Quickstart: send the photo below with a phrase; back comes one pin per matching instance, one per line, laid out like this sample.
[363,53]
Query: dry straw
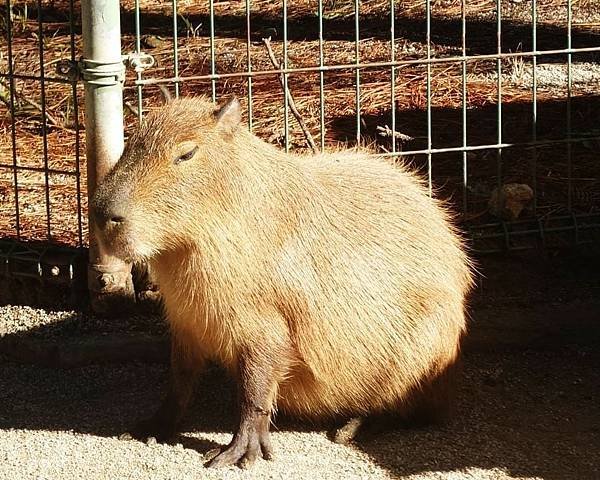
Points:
[546,168]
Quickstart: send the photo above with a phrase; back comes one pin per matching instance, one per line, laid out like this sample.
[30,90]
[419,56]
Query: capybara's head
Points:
[163,183]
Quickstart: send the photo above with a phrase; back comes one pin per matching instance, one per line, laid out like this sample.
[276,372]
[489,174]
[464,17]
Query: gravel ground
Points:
[532,414]
[522,414]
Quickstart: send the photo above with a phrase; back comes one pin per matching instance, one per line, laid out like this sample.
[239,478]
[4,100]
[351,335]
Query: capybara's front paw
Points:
[244,449]
[152,427]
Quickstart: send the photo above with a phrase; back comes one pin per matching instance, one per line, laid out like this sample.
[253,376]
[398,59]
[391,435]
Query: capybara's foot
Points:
[247,444]
[348,432]
[155,427]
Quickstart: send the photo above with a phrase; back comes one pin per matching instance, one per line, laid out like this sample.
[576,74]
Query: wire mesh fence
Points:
[495,101]
[476,94]
[42,188]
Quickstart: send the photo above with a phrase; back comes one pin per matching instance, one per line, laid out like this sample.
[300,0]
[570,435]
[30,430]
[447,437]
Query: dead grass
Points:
[547,167]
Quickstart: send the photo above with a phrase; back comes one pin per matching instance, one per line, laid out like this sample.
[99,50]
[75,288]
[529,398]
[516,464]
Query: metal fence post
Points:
[109,279]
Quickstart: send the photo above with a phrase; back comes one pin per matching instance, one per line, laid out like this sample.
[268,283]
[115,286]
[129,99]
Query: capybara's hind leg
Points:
[185,368]
[359,429]
[434,403]
[349,431]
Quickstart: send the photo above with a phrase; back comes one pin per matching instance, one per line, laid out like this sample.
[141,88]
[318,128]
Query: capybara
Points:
[329,285]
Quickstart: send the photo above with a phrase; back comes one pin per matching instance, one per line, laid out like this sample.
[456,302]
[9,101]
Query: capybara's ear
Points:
[229,115]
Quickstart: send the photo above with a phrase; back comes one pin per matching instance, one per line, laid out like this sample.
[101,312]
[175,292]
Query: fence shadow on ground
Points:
[530,414]
[481,33]
[546,168]
[482,122]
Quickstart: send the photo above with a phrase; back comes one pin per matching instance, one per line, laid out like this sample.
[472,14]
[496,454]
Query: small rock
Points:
[493,377]
[509,201]
[269,32]
[153,41]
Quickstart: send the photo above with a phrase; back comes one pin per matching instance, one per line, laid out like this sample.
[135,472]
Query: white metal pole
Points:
[102,69]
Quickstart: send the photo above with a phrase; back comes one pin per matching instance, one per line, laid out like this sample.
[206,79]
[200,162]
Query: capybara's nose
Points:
[116,219]
[108,216]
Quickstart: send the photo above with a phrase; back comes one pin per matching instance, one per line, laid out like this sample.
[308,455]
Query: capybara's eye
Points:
[186,156]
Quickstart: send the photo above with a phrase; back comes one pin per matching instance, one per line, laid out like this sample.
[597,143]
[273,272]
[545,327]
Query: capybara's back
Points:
[329,284]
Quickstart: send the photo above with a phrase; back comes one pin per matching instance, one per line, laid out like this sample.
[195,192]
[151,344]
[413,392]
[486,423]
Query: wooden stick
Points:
[290,98]
[133,109]
[387,132]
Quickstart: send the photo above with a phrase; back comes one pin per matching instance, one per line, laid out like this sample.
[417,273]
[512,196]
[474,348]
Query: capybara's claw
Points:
[244,450]
[229,456]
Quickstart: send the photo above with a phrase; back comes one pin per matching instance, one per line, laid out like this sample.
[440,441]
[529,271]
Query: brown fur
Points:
[334,279]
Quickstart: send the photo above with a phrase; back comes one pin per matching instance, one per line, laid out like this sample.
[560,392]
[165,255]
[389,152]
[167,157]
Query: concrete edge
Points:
[81,351]
[73,353]
[491,330]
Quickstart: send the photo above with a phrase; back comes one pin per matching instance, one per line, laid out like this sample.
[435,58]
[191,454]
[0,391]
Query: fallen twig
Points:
[129,106]
[290,98]
[387,132]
